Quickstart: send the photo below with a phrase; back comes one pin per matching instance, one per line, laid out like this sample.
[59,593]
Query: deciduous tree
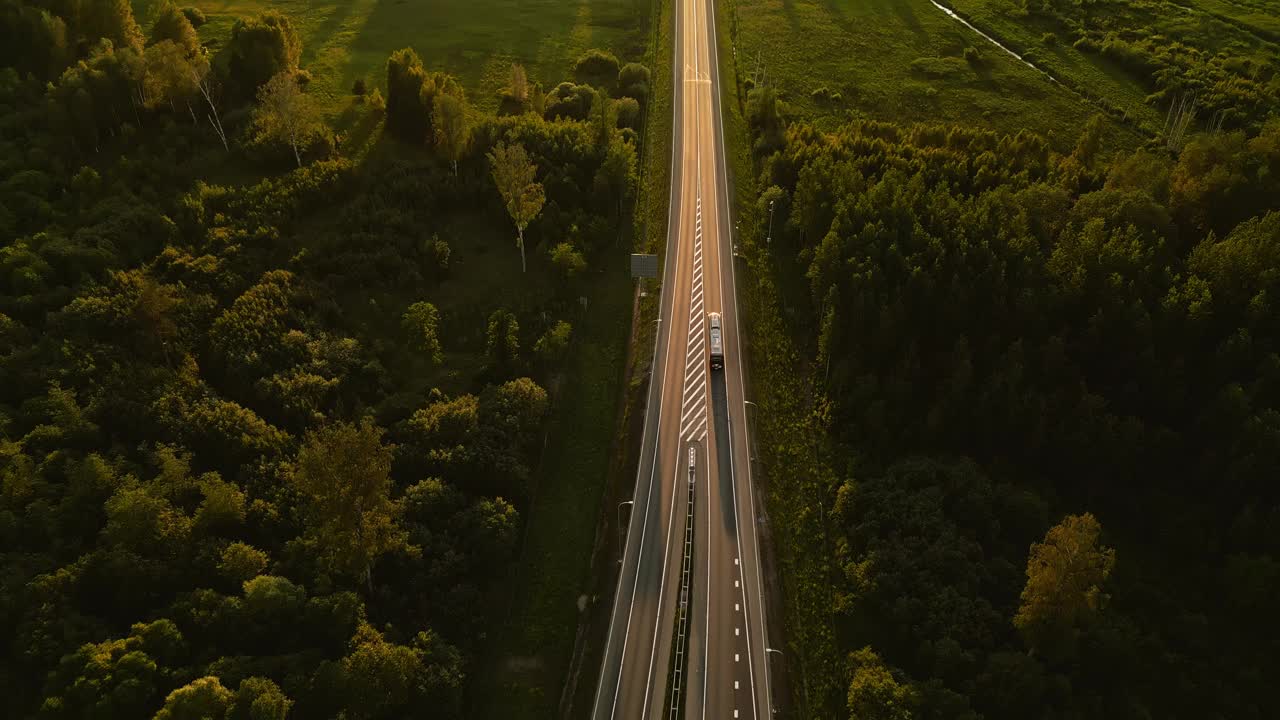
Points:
[1065,577]
[171,23]
[502,339]
[449,116]
[201,699]
[421,322]
[285,114]
[515,176]
[343,474]
[260,49]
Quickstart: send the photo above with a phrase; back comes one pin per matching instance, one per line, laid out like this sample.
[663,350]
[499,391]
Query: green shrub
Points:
[628,112]
[597,68]
[634,81]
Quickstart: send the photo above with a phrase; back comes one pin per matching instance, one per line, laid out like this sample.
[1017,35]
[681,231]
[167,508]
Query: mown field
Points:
[474,40]
[899,61]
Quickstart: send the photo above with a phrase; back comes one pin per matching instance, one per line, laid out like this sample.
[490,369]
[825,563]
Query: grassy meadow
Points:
[1245,30]
[898,61]
[474,40]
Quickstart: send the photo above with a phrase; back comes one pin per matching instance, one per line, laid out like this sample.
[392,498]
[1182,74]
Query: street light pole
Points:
[769,685]
[620,531]
[769,239]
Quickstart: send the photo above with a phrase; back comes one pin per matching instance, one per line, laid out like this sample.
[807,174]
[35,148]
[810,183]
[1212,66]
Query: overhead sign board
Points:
[644,266]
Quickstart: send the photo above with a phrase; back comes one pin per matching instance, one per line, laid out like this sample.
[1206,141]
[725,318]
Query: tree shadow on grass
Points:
[318,38]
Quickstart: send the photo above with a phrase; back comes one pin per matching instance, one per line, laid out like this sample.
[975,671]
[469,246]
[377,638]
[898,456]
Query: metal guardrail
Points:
[686,570]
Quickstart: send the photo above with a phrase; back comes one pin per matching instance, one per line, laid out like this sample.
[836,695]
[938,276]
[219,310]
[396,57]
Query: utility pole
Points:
[767,651]
[769,238]
[621,530]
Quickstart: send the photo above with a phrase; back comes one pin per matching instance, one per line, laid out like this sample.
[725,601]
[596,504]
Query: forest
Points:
[266,438]
[1051,384]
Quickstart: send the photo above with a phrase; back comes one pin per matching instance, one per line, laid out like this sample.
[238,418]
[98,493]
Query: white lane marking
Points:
[662,586]
[698,423]
[693,428]
[737,326]
[688,418]
[737,607]
[735,561]
[735,684]
[693,368]
[736,657]
[644,525]
[693,387]
[737,632]
[697,349]
[701,425]
[736,583]
[688,399]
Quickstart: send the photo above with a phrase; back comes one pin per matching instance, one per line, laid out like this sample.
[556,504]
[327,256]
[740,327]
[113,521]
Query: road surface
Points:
[689,405]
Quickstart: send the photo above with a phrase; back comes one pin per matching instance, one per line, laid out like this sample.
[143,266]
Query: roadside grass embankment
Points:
[649,235]
[792,474]
[545,662]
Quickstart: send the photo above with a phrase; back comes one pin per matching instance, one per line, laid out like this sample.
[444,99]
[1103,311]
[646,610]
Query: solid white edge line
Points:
[667,552]
[724,165]
[595,706]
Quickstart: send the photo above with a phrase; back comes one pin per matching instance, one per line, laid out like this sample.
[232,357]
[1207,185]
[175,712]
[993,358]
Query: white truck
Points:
[716,337]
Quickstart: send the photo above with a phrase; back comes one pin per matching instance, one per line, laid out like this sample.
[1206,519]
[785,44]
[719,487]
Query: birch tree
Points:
[203,80]
[285,114]
[452,131]
[515,175]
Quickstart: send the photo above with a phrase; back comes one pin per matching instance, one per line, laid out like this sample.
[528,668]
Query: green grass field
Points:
[1024,34]
[1237,28]
[899,61]
[475,40]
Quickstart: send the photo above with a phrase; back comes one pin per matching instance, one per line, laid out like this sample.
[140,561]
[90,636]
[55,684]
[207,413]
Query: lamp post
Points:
[769,685]
[769,238]
[620,531]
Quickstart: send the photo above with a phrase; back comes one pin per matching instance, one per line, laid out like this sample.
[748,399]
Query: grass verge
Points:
[529,660]
[792,472]
[544,664]
[650,218]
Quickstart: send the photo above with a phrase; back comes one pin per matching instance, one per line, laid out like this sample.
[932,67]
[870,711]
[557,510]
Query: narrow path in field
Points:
[952,14]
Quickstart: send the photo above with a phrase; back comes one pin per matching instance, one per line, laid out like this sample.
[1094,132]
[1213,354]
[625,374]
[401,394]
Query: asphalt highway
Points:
[691,406]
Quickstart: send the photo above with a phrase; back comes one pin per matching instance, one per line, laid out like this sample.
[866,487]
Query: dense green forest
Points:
[1051,383]
[266,435]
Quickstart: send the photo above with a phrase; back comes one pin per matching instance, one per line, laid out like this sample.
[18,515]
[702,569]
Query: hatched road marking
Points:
[693,403]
